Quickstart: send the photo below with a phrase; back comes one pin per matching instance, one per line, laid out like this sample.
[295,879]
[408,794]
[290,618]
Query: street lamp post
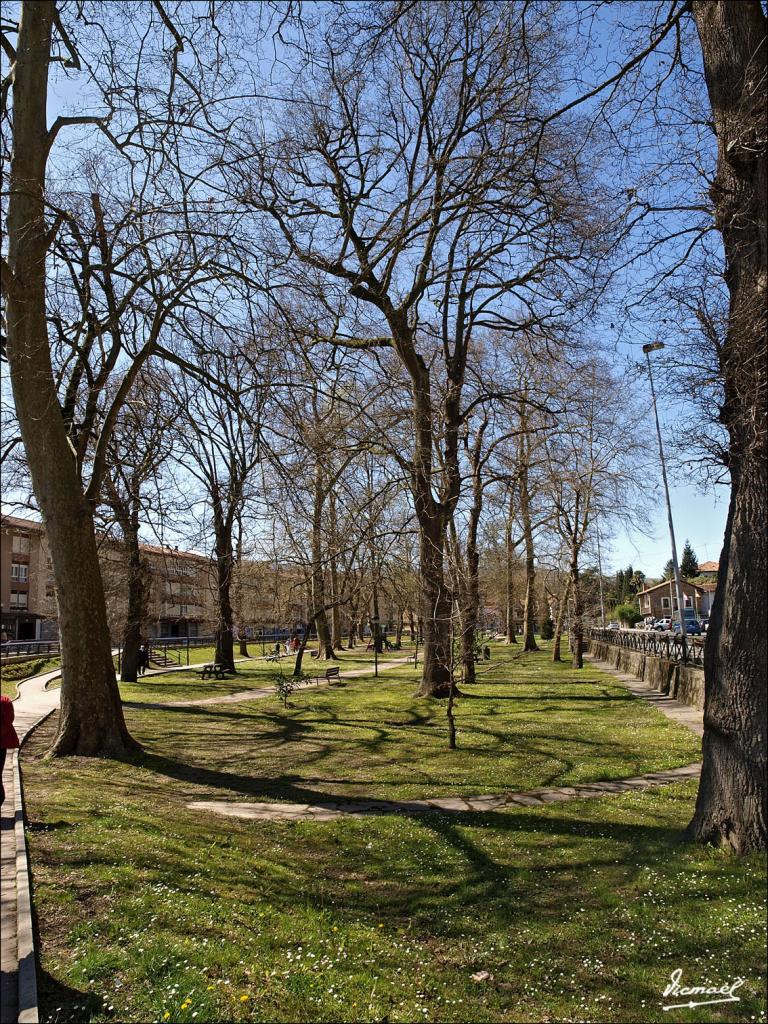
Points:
[600,577]
[647,349]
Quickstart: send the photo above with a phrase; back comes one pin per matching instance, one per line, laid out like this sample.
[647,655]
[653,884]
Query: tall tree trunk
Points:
[731,802]
[225,560]
[399,629]
[509,585]
[529,612]
[91,718]
[562,604]
[337,639]
[137,599]
[375,620]
[319,615]
[435,612]
[577,625]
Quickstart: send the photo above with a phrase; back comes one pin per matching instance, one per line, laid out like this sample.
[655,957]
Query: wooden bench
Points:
[331,676]
[214,670]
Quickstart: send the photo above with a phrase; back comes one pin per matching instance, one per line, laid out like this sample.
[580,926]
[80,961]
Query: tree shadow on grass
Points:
[59,1003]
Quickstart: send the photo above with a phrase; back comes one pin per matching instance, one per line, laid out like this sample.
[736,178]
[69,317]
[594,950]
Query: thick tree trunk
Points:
[399,629]
[731,803]
[529,612]
[577,625]
[435,613]
[225,560]
[91,719]
[562,604]
[337,639]
[324,643]
[509,588]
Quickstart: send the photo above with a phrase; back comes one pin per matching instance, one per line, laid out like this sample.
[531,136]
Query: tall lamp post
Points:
[647,349]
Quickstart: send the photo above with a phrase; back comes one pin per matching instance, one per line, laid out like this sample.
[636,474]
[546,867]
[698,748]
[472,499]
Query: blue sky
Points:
[697,517]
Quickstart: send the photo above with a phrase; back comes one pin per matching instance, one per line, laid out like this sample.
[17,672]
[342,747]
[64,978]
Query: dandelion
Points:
[244,999]
[166,1015]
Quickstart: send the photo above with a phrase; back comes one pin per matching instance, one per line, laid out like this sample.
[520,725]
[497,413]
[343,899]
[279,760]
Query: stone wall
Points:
[683,682]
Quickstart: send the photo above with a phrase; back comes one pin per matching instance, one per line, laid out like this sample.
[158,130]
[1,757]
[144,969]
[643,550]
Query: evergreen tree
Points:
[669,571]
[689,565]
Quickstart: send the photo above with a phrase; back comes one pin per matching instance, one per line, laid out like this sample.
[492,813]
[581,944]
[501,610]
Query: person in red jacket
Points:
[8,736]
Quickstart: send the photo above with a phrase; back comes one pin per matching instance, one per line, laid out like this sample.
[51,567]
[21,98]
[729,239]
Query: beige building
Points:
[661,601]
[27,602]
[179,589]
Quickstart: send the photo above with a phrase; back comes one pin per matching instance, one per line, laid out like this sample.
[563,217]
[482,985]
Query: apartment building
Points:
[27,602]
[179,588]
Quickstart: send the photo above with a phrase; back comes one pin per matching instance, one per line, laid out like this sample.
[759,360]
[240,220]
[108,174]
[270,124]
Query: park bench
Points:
[214,670]
[331,676]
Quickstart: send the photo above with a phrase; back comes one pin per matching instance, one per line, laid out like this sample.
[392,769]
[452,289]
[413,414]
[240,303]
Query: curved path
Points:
[329,810]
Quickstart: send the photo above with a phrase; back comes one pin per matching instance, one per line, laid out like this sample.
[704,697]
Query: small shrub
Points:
[547,629]
[627,613]
[284,687]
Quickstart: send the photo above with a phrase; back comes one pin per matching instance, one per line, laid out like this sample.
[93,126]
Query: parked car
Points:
[704,622]
[613,625]
[663,624]
[692,627]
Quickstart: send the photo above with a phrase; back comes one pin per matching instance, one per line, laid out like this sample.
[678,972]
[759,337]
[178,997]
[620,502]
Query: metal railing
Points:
[31,648]
[673,647]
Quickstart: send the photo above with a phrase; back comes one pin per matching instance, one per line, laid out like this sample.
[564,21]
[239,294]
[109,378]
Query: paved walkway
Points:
[684,714]
[326,810]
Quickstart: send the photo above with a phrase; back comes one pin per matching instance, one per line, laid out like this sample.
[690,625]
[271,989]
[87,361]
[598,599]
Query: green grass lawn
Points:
[578,911]
[18,672]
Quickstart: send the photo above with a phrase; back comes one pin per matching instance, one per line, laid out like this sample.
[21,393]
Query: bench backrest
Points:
[332,673]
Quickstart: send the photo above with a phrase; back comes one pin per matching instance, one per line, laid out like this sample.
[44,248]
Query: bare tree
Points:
[218,433]
[426,189]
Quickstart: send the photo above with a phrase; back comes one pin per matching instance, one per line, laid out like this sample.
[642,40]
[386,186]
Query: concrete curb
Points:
[25,939]
[26,977]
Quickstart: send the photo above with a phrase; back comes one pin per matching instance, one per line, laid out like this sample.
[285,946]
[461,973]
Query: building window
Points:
[18,599]
[687,601]
[665,602]
[20,544]
[19,571]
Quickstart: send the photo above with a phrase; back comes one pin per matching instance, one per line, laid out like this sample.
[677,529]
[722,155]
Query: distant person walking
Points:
[143,659]
[9,738]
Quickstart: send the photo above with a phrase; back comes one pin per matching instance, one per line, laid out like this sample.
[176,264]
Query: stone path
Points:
[329,810]
[326,810]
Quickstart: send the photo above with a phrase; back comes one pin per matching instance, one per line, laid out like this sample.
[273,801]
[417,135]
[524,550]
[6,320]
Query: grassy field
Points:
[16,673]
[579,911]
